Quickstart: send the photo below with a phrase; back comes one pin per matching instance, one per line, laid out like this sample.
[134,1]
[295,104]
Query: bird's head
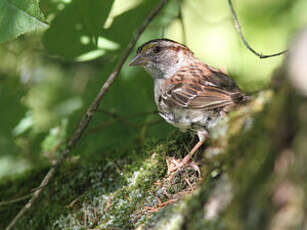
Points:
[161,58]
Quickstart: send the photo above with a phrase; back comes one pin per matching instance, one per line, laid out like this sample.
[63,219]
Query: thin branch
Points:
[124,120]
[141,114]
[117,117]
[101,125]
[238,28]
[21,198]
[127,120]
[89,114]
[2,203]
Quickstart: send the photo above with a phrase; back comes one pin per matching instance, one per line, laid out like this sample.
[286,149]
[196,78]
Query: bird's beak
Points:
[138,60]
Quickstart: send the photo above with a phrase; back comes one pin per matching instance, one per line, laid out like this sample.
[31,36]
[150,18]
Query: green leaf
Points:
[76,29]
[18,17]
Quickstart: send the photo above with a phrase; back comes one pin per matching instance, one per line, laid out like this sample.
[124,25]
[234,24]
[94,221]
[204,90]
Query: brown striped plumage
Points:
[188,93]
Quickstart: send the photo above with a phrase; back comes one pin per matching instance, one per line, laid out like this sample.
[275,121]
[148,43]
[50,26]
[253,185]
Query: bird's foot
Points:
[175,165]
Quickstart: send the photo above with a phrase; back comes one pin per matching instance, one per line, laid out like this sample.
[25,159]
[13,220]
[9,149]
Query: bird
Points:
[188,93]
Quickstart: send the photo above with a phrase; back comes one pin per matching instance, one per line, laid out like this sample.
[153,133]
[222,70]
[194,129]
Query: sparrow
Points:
[188,93]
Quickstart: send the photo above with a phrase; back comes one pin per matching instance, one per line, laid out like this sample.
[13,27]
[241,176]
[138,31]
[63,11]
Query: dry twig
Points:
[89,114]
[2,203]
[238,28]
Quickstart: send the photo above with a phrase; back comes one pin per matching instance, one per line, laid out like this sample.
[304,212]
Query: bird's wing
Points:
[201,87]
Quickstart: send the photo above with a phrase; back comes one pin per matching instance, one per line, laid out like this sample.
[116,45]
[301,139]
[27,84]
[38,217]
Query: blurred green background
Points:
[51,73]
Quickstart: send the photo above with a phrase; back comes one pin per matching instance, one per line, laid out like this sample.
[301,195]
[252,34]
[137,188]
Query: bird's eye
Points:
[156,49]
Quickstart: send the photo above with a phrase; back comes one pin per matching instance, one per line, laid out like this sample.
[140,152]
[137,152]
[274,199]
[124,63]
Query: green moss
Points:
[112,192]
[126,191]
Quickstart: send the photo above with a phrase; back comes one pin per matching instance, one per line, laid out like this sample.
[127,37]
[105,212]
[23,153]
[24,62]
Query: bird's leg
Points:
[174,165]
[202,138]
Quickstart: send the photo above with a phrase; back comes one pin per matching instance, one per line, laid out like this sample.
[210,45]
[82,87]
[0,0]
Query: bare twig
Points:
[118,117]
[71,204]
[238,28]
[132,115]
[89,114]
[85,218]
[101,125]
[2,203]
[21,198]
[125,120]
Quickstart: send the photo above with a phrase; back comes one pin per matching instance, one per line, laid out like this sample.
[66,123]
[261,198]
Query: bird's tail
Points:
[240,98]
